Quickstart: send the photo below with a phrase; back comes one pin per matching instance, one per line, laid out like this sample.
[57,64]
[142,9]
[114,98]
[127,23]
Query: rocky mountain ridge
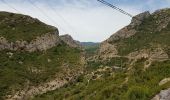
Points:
[110,46]
[41,42]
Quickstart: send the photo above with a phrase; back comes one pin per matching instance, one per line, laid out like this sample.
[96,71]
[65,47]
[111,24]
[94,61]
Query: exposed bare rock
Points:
[108,47]
[163,95]
[139,54]
[162,18]
[107,50]
[157,54]
[41,43]
[123,33]
[129,30]
[137,20]
[70,41]
[164,81]
[44,42]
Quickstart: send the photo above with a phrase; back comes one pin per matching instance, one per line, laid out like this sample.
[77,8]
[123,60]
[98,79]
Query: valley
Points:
[37,63]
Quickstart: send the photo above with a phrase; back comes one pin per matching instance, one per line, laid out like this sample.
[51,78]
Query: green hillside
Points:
[36,67]
[148,35]
[117,77]
[19,69]
[21,27]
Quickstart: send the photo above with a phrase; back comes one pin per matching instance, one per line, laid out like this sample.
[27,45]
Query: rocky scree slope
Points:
[33,58]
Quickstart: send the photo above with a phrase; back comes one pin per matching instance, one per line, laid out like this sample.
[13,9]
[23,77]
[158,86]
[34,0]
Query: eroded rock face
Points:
[158,54]
[41,43]
[163,95]
[137,20]
[107,50]
[70,41]
[123,33]
[44,42]
[129,30]
[108,46]
[162,18]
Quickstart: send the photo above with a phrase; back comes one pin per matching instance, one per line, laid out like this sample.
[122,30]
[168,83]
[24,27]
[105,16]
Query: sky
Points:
[84,20]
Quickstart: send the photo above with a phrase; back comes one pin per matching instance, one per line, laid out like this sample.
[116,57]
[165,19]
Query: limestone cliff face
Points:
[40,43]
[70,41]
[24,33]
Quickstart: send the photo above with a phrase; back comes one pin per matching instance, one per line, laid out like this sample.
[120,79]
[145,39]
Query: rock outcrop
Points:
[164,81]
[163,95]
[129,30]
[162,18]
[24,36]
[107,50]
[126,32]
[137,20]
[41,43]
[70,41]
[158,54]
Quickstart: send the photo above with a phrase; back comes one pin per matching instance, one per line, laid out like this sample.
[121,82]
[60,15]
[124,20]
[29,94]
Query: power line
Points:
[10,6]
[68,24]
[45,14]
[116,8]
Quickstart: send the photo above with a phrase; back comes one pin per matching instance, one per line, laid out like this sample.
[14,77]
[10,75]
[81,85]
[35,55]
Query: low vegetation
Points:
[141,85]
[19,68]
[147,36]
[20,27]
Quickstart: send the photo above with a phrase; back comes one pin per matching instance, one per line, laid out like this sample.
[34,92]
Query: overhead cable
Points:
[116,8]
[53,21]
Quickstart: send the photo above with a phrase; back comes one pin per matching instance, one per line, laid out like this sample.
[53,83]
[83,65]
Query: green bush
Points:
[137,93]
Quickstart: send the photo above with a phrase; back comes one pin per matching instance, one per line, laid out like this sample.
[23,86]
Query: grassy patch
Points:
[20,27]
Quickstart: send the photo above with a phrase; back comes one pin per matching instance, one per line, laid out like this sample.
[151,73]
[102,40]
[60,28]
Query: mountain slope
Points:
[34,59]
[133,64]
[21,27]
[70,41]
[150,33]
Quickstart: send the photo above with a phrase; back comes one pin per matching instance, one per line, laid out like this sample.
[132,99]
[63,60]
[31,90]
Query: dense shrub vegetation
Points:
[20,67]
[141,85]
